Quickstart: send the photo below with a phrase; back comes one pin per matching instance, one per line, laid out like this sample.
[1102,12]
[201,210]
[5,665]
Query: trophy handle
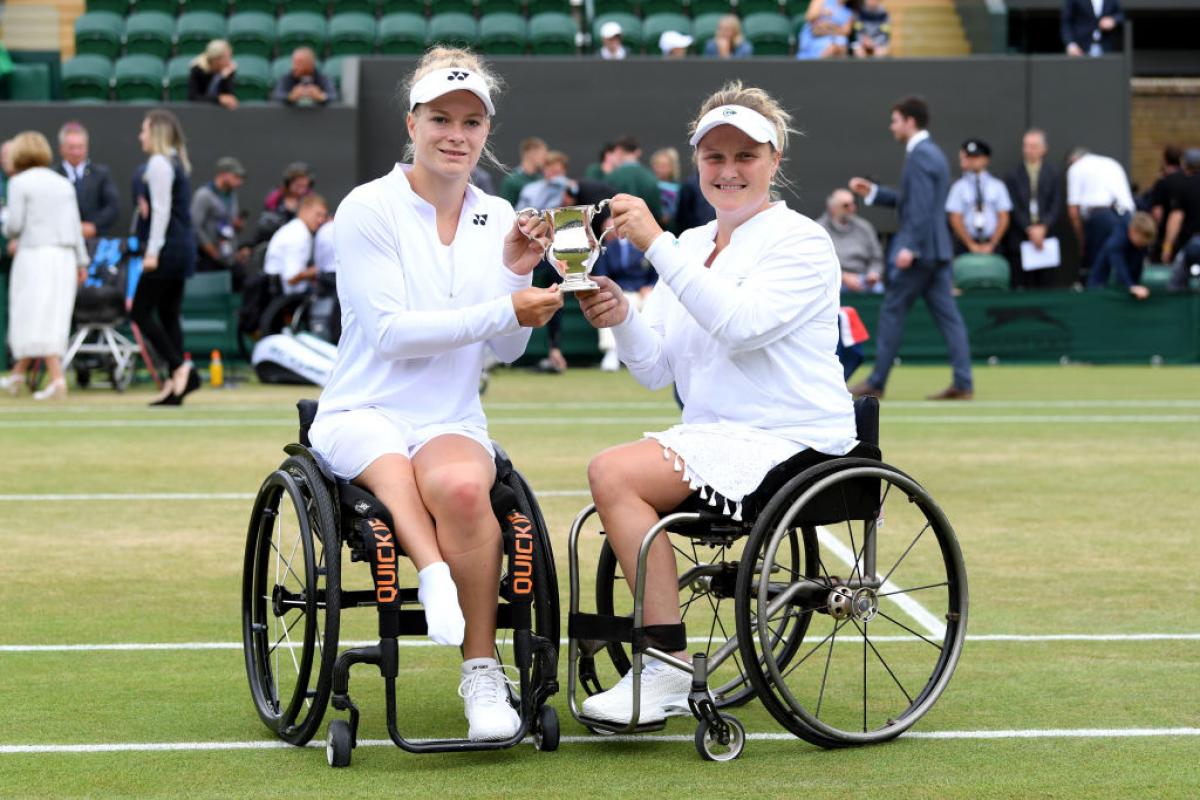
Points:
[596,211]
[530,213]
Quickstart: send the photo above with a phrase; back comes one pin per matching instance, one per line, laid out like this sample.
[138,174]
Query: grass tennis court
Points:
[1073,492]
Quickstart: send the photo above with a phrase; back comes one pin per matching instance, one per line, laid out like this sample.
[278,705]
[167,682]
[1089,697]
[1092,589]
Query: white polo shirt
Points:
[323,252]
[753,338]
[416,315]
[1099,182]
[289,253]
[979,203]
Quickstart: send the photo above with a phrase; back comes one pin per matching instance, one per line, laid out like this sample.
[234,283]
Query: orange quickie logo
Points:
[522,577]
[385,563]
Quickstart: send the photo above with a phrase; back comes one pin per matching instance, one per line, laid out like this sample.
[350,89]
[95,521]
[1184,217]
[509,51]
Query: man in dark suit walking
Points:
[1089,27]
[922,253]
[99,203]
[1037,197]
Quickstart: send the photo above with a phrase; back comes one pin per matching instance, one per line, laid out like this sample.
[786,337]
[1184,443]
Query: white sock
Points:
[439,598]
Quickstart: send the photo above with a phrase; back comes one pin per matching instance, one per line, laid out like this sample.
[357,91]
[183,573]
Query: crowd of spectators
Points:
[213,79]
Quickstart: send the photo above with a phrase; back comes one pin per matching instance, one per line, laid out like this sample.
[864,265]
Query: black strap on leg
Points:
[668,638]
[380,544]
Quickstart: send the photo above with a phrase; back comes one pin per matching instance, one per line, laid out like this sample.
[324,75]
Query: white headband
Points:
[747,120]
[452,79]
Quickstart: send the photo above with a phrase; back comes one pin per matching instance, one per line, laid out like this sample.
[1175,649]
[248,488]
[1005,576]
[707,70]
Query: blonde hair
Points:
[166,135]
[672,155]
[29,149]
[1144,224]
[732,20]
[214,49]
[444,57]
[735,93]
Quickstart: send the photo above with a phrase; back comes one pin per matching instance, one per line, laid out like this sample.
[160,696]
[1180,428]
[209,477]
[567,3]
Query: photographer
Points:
[305,85]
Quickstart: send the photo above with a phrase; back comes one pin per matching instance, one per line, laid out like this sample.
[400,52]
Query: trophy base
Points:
[576,282]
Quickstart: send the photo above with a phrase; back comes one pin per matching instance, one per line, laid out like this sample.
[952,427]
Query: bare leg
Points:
[54,367]
[631,484]
[455,475]
[391,479]
[21,367]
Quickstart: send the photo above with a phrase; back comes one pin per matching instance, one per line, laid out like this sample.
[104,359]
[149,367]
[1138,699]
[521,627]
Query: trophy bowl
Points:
[574,246]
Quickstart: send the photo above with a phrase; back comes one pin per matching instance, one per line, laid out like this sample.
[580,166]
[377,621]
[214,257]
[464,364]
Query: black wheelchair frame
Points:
[331,513]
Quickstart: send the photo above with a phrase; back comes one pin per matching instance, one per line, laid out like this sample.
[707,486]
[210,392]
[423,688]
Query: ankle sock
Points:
[439,598]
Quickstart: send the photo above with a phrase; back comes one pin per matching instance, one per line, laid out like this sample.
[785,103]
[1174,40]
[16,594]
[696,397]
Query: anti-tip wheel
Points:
[545,736]
[339,745]
[709,744]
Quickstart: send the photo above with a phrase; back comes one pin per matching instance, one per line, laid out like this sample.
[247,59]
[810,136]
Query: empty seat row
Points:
[332,7]
[771,33]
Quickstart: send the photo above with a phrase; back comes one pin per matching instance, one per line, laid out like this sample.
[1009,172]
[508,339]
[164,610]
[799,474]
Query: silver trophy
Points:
[574,246]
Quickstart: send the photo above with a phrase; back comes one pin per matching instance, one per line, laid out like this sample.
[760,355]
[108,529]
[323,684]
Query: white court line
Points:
[191,496]
[272,744]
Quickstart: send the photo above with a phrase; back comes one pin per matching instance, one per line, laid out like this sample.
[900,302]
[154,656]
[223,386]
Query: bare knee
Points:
[609,479]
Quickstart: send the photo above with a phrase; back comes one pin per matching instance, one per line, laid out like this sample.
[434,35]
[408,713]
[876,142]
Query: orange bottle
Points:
[216,370]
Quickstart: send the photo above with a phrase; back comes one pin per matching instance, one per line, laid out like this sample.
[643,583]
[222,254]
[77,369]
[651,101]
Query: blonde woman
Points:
[164,226]
[728,41]
[42,218]
[431,273]
[212,75]
[744,321]
[665,165]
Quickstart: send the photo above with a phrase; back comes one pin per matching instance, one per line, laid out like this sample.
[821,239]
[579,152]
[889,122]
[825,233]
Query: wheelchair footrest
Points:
[619,727]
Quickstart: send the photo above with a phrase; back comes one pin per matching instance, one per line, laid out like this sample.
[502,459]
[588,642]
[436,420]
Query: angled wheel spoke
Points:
[854,570]
[814,649]
[914,589]
[279,561]
[883,661]
[910,630]
[863,630]
[906,552]
[825,675]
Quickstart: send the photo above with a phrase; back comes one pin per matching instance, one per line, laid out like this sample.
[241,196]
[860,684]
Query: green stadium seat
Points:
[650,7]
[168,7]
[656,25]
[501,7]
[793,7]
[258,6]
[212,6]
[402,33]
[87,77]
[368,7]
[252,33]
[352,33]
[546,6]
[302,29]
[29,83]
[118,7]
[178,70]
[209,313]
[702,7]
[149,33]
[452,7]
[139,77]
[747,7]
[553,33]
[975,271]
[704,27]
[253,80]
[195,29]
[333,68]
[631,29]
[770,33]
[280,67]
[610,7]
[503,33]
[453,28]
[402,7]
[318,7]
[99,33]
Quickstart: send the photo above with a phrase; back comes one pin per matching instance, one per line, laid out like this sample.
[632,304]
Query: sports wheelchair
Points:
[846,628]
[292,599]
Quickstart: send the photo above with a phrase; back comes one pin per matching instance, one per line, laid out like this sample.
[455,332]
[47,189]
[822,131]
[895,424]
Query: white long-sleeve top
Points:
[752,339]
[159,176]
[416,314]
[43,212]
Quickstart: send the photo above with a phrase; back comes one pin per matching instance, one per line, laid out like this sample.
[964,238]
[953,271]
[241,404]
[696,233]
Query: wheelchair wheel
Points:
[707,581]
[291,599]
[885,612]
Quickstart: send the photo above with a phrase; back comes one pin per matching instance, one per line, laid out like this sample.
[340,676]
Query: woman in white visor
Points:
[431,271]
[744,321]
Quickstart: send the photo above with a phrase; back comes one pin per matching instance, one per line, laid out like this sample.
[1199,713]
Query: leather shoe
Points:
[865,389]
[952,393]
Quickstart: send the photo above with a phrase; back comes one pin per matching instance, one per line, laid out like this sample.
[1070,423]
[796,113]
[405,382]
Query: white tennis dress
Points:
[416,317]
[750,344]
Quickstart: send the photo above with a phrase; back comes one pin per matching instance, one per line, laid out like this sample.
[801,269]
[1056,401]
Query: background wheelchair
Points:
[839,600]
[292,599]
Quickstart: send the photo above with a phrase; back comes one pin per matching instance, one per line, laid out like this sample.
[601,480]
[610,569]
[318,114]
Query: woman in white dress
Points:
[744,321]
[431,271]
[42,217]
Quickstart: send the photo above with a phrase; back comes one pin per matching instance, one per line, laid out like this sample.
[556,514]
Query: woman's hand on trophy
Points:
[606,306]
[526,243]
[534,307]
[633,221]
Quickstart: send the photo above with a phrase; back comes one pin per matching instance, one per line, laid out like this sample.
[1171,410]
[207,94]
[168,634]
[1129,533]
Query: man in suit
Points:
[922,251]
[95,191]
[1037,199]
[1089,27]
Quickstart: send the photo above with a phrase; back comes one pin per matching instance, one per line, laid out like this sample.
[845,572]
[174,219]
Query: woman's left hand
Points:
[526,243]
[149,263]
[633,221]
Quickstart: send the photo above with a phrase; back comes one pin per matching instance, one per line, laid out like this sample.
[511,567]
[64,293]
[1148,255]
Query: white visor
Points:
[747,120]
[453,79]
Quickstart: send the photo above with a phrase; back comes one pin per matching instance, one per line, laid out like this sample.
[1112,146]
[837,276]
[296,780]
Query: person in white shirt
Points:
[291,252]
[978,203]
[744,321]
[431,272]
[1098,202]
[324,256]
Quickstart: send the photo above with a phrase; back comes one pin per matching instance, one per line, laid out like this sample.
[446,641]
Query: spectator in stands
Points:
[1183,220]
[95,190]
[674,44]
[826,30]
[546,192]
[1090,27]
[483,179]
[304,84]
[978,203]
[693,209]
[1098,202]
[1157,199]
[217,220]
[290,255]
[728,41]
[212,76]
[612,46]
[281,205]
[872,30]
[856,243]
[533,155]
[627,267]
[631,176]
[43,219]
[164,224]
[1123,256]
[1036,193]
[665,165]
[609,158]
[6,169]
[324,256]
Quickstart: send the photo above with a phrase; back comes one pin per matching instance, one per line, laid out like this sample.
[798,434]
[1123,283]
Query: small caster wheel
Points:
[709,744]
[339,745]
[545,735]
[83,377]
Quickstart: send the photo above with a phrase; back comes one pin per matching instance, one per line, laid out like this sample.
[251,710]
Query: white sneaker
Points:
[611,362]
[665,691]
[485,688]
[12,383]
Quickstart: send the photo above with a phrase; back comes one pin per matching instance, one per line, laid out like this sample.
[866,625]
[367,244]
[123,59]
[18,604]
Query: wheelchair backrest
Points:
[866,419]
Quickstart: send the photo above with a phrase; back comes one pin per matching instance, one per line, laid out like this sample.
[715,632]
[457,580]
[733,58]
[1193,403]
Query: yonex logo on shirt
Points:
[457,75]
[481,219]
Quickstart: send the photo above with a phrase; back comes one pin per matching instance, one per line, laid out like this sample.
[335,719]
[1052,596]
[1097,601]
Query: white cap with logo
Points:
[452,79]
[747,120]
[610,29]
